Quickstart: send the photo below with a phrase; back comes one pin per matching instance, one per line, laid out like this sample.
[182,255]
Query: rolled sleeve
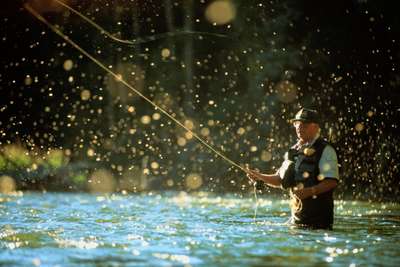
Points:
[328,164]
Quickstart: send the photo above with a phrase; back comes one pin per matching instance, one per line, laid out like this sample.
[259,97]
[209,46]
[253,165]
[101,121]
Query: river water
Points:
[177,229]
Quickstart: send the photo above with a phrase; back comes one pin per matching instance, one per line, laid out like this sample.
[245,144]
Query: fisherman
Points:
[310,173]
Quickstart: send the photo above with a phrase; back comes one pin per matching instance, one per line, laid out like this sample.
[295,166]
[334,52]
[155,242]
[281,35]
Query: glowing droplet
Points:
[205,131]
[241,131]
[7,184]
[154,165]
[146,119]
[165,52]
[90,152]
[188,135]
[131,109]
[85,95]
[170,182]
[253,148]
[156,116]
[359,127]
[326,167]
[266,156]
[28,80]
[181,141]
[193,181]
[189,124]
[220,12]
[68,64]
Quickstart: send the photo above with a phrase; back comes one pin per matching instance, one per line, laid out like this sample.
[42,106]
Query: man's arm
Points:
[326,185]
[272,180]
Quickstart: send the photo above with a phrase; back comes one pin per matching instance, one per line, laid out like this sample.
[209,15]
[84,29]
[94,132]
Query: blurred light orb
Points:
[28,80]
[131,109]
[253,148]
[181,141]
[146,119]
[165,52]
[240,131]
[156,116]
[220,12]
[188,135]
[101,181]
[193,181]
[189,124]
[90,152]
[205,131]
[154,165]
[359,127]
[68,64]
[170,182]
[286,91]
[370,113]
[85,95]
[266,156]
[7,184]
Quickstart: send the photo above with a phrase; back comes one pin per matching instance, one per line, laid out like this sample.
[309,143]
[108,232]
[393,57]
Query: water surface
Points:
[176,229]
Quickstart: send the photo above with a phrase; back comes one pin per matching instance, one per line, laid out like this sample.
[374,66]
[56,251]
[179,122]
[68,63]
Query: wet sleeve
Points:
[328,164]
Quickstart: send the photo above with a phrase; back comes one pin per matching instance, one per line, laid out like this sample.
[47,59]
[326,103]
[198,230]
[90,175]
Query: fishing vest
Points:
[302,170]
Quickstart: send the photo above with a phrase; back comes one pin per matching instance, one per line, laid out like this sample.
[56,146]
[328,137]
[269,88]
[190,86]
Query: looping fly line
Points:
[119,78]
[136,41]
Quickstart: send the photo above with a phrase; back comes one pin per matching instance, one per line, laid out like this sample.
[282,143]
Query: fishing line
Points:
[138,40]
[119,78]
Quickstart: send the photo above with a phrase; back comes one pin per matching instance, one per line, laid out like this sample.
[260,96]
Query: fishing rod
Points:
[119,78]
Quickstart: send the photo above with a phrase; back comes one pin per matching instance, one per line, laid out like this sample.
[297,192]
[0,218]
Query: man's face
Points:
[306,131]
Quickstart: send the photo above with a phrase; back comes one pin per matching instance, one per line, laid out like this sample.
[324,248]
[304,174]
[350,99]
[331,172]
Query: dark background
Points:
[242,81]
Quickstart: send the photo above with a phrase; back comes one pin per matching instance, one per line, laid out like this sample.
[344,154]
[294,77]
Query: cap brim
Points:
[303,120]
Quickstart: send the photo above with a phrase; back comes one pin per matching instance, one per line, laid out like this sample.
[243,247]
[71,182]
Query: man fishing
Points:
[309,171]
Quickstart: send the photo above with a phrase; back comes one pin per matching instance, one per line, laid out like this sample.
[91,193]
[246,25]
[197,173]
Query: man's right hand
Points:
[253,175]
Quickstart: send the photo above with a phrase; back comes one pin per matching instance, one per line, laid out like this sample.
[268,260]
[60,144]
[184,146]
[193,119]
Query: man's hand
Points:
[304,193]
[253,175]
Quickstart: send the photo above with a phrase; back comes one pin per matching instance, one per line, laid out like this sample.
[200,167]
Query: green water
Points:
[57,229]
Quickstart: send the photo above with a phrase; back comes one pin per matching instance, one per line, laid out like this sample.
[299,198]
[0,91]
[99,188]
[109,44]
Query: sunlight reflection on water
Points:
[185,229]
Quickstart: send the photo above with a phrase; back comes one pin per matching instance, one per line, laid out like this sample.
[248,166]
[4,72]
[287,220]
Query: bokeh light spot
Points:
[165,52]
[68,64]
[266,156]
[85,95]
[193,181]
[220,12]
[146,119]
[359,127]
[7,184]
